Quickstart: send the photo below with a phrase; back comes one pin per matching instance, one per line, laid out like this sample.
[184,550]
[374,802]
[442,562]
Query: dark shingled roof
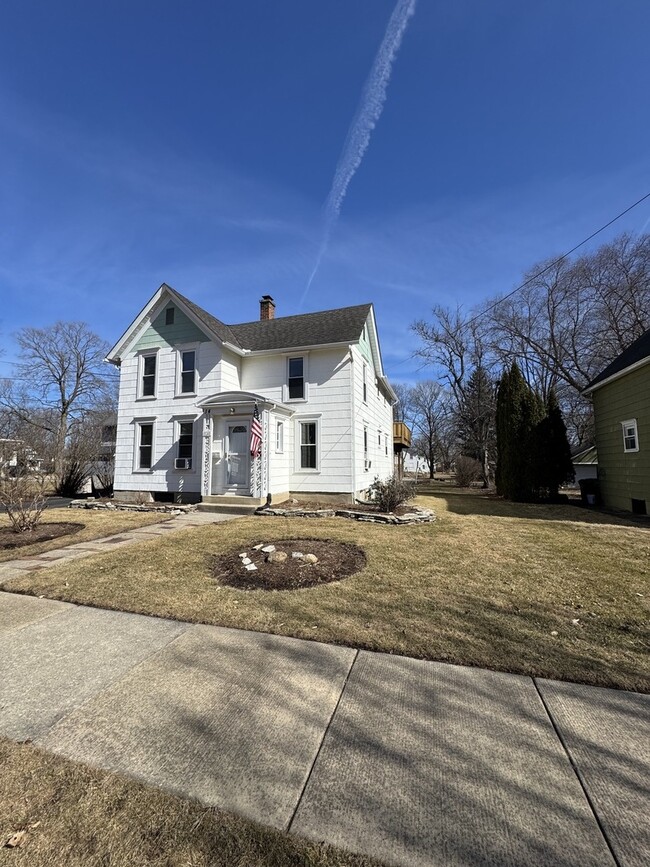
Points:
[639,350]
[343,325]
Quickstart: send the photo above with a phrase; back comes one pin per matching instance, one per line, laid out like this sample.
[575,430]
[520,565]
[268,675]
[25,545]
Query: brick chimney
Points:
[267,307]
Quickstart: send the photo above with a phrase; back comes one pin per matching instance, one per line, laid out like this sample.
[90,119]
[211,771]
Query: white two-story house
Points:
[190,386]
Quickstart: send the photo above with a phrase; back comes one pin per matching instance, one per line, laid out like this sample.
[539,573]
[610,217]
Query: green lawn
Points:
[487,584]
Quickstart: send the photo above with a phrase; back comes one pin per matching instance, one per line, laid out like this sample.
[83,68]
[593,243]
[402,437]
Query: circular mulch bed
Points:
[336,560]
[41,533]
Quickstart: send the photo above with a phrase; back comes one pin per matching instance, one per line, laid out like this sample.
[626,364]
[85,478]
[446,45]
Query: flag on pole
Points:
[256,434]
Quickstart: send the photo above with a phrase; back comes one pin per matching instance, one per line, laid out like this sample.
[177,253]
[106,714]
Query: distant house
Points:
[16,457]
[621,399]
[235,414]
[585,463]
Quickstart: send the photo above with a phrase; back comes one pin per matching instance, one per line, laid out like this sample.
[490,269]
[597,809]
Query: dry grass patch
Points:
[75,815]
[96,526]
[487,584]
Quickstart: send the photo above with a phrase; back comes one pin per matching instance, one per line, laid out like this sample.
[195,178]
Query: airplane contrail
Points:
[365,120]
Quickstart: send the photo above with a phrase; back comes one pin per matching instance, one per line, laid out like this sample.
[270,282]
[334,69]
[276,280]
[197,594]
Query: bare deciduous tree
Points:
[60,377]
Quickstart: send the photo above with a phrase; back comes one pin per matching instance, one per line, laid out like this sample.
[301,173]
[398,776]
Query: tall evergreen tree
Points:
[555,467]
[476,421]
[519,412]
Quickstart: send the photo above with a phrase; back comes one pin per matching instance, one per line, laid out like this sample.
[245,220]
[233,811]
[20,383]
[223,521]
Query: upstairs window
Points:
[296,378]
[145,445]
[148,376]
[188,372]
[169,316]
[630,436]
[365,384]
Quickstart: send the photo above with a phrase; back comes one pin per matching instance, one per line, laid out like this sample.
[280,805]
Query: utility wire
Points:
[558,260]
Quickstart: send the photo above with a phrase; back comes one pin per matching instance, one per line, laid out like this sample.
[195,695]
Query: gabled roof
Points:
[342,325]
[637,354]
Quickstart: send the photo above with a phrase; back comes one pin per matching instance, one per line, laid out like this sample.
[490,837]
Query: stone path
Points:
[14,568]
[413,762]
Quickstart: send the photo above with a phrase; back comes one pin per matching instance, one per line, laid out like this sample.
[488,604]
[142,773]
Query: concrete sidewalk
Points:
[15,568]
[415,763]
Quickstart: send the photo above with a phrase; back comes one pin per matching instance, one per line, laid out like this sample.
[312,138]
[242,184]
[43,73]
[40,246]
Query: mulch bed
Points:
[41,533]
[336,560]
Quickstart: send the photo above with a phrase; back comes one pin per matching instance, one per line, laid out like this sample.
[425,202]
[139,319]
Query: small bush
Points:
[24,500]
[391,493]
[467,471]
[72,479]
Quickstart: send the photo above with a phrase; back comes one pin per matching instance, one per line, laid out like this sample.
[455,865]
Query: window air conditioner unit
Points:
[183,464]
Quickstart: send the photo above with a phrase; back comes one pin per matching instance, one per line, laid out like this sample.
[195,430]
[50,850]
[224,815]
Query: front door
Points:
[238,457]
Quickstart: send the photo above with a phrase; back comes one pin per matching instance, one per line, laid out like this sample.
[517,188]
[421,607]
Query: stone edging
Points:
[416,516]
[168,508]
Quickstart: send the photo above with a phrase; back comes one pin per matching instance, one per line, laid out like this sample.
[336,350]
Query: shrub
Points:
[390,493]
[468,470]
[72,479]
[24,500]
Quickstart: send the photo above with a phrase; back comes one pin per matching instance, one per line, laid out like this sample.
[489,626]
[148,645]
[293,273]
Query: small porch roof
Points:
[224,400]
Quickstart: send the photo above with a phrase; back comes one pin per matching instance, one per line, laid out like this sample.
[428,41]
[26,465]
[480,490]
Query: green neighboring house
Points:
[621,398]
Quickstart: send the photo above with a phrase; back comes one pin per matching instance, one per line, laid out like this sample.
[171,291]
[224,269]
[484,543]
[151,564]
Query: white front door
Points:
[238,456]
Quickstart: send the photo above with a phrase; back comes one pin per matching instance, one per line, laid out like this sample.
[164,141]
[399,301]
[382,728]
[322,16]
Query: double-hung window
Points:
[366,463]
[185,441]
[630,436]
[279,437]
[308,445]
[365,384]
[187,371]
[297,378]
[148,376]
[144,459]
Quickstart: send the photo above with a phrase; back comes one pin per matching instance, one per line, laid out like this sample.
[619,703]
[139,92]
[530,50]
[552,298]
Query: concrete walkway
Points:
[415,763]
[15,568]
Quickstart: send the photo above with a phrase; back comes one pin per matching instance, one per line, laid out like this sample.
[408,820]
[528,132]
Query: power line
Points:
[558,260]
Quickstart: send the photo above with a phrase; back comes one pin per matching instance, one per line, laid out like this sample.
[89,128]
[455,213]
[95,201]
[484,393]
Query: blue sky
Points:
[195,143]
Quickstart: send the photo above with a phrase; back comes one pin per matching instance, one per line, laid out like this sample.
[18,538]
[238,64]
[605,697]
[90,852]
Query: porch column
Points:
[206,451]
[260,465]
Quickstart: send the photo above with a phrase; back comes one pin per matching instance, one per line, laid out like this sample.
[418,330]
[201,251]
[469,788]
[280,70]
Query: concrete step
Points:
[234,500]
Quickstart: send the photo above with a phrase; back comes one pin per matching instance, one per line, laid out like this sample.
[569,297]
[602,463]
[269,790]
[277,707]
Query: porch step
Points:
[231,505]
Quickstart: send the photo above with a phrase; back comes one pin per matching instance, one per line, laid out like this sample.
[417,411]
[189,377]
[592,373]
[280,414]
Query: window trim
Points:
[178,421]
[179,350]
[279,437]
[141,361]
[630,422]
[138,422]
[307,419]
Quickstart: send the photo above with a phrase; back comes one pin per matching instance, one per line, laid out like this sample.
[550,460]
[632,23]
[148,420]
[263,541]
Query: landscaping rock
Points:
[297,555]
[251,567]
[246,561]
[268,549]
[276,557]
[309,558]
[258,547]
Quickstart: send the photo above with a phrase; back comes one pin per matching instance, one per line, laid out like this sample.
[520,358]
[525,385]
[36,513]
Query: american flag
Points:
[256,434]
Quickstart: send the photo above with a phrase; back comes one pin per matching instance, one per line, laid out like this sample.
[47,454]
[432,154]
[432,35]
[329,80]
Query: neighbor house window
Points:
[188,371]
[148,386]
[145,445]
[279,437]
[386,443]
[630,436]
[365,384]
[185,441]
[296,378]
[169,316]
[308,445]
[366,465]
